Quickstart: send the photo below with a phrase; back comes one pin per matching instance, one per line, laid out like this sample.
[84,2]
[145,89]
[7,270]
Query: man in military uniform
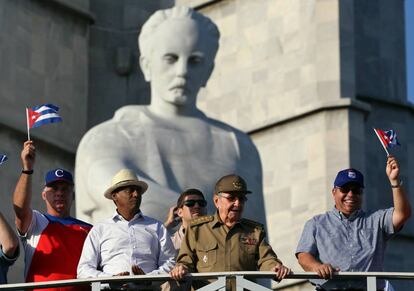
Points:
[226,241]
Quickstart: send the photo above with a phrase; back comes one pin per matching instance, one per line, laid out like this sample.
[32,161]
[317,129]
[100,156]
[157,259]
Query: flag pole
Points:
[385,148]
[27,122]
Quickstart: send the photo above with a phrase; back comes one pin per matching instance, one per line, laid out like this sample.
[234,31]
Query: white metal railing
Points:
[219,284]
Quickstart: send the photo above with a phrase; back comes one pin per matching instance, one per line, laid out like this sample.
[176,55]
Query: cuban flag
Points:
[42,114]
[3,158]
[388,138]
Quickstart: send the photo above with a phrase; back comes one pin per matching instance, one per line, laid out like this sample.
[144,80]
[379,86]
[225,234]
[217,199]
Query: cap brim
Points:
[60,180]
[241,192]
[349,182]
[141,184]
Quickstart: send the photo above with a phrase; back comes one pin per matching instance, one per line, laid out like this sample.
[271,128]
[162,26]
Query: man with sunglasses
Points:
[191,204]
[52,241]
[349,239]
[225,241]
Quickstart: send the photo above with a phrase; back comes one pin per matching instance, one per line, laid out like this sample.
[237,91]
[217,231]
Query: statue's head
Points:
[178,47]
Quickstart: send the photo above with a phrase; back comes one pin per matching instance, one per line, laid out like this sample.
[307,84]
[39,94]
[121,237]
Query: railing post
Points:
[371,283]
[96,286]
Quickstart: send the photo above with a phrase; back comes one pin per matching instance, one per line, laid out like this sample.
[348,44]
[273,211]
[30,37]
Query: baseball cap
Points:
[58,175]
[349,176]
[231,183]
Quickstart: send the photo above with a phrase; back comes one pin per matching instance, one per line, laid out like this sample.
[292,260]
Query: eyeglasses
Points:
[233,198]
[191,203]
[345,189]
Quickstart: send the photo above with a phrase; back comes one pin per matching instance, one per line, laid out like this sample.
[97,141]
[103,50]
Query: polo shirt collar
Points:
[352,217]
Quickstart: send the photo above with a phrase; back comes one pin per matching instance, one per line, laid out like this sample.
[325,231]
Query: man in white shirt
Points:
[128,242]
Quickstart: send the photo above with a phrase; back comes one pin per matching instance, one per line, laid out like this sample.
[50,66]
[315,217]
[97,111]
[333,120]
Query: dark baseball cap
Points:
[58,175]
[349,176]
[231,184]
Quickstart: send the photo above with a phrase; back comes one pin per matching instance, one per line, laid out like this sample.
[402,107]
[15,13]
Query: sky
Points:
[409,20]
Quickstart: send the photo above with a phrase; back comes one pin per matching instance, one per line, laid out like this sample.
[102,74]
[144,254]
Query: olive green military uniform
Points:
[210,246]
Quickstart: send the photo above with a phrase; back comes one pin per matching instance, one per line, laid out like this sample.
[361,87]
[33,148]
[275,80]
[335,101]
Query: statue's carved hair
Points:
[179,12]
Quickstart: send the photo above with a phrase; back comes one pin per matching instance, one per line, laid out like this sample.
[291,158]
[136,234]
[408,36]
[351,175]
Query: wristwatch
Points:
[27,172]
[399,184]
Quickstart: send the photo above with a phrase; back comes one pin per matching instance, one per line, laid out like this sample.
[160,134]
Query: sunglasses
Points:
[191,203]
[346,189]
[233,198]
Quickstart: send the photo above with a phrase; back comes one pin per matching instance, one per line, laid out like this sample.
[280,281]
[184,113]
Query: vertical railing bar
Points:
[239,283]
[96,286]
[371,283]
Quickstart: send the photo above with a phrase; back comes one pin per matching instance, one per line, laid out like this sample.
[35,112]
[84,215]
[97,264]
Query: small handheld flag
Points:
[3,158]
[40,115]
[388,138]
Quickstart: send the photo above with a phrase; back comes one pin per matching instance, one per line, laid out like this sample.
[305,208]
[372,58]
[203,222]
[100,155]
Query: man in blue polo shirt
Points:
[349,239]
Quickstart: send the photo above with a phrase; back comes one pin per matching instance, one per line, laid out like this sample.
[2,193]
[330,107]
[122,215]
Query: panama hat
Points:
[123,178]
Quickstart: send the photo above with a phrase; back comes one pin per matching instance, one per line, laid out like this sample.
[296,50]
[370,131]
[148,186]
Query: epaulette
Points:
[252,223]
[201,220]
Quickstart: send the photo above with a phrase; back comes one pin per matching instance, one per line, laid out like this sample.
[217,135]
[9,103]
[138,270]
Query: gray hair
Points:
[179,12]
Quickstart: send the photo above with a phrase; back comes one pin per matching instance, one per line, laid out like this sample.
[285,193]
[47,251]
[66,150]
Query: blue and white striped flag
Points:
[42,114]
[3,158]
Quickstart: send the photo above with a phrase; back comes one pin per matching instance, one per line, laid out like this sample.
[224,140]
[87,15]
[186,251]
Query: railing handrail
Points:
[200,276]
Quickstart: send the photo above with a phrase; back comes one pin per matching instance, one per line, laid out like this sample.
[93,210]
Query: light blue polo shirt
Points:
[354,244]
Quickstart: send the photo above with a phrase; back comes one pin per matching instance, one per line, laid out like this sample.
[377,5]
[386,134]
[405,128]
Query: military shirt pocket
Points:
[248,256]
[207,253]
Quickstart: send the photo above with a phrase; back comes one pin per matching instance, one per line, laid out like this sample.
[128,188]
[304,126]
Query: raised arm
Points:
[8,239]
[22,195]
[402,207]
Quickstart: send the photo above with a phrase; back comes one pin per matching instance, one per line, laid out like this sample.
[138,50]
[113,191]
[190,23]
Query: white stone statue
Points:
[171,144]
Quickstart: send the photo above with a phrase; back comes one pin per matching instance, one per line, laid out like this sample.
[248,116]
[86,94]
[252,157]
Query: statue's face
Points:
[180,63]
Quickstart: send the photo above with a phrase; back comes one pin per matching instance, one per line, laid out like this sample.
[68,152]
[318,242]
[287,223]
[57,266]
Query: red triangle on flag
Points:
[33,116]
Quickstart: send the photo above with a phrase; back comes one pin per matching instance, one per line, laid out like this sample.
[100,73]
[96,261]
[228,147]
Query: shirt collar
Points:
[352,217]
[217,221]
[118,217]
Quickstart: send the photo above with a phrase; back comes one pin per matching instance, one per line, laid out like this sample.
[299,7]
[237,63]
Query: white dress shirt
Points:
[115,244]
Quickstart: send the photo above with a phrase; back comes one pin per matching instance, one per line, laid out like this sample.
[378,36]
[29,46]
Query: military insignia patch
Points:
[248,240]
[237,185]
[205,259]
